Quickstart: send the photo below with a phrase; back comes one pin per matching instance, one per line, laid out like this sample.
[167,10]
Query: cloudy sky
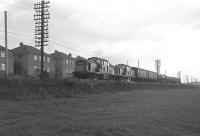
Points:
[118,30]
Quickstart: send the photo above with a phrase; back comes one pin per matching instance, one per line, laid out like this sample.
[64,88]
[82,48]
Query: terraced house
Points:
[64,64]
[3,64]
[28,61]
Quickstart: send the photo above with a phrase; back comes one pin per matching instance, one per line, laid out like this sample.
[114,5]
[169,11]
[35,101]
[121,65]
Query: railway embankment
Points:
[15,89]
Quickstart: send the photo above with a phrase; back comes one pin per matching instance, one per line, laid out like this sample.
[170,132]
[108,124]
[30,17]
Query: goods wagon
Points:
[152,76]
[173,80]
[143,74]
[89,68]
[167,79]
[162,78]
[140,74]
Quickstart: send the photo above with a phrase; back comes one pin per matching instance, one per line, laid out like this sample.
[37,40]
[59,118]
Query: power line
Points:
[51,41]
[66,42]
[20,34]
[61,45]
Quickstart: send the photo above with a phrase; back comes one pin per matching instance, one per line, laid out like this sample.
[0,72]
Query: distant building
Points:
[27,61]
[3,64]
[102,64]
[64,64]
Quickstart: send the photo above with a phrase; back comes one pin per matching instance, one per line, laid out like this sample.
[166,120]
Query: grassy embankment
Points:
[30,88]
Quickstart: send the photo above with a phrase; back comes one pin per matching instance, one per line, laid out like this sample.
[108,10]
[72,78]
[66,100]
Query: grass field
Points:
[174,112]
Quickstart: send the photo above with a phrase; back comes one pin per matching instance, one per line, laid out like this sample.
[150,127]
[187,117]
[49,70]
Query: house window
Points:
[70,71]
[48,59]
[40,58]
[3,67]
[3,54]
[44,58]
[66,70]
[48,69]
[35,57]
[35,68]
[67,61]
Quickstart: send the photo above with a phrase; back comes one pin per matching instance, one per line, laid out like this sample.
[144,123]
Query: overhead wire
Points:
[74,50]
[69,43]
[55,43]
[16,7]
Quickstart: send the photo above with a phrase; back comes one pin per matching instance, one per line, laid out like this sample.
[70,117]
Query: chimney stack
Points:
[21,44]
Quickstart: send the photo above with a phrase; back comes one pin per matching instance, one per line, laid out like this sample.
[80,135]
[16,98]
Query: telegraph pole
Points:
[6,45]
[138,67]
[41,18]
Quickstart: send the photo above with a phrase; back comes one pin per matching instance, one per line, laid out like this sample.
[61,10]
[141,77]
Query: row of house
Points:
[26,60]
[2,61]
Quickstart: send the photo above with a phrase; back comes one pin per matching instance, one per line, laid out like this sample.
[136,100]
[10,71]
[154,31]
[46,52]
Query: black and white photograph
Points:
[99,68]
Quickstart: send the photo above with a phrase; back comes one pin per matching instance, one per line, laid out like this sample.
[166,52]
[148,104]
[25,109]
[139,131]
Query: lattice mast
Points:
[41,18]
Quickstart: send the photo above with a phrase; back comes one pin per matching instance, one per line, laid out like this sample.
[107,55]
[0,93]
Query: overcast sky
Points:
[118,30]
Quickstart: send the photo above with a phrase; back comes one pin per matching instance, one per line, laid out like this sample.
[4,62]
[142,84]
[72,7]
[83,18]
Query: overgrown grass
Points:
[31,88]
[174,112]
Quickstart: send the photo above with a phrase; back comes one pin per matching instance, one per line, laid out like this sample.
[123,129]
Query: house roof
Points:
[61,55]
[2,47]
[26,49]
[79,57]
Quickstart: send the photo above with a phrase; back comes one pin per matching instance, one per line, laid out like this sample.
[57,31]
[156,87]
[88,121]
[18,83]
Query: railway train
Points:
[97,68]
